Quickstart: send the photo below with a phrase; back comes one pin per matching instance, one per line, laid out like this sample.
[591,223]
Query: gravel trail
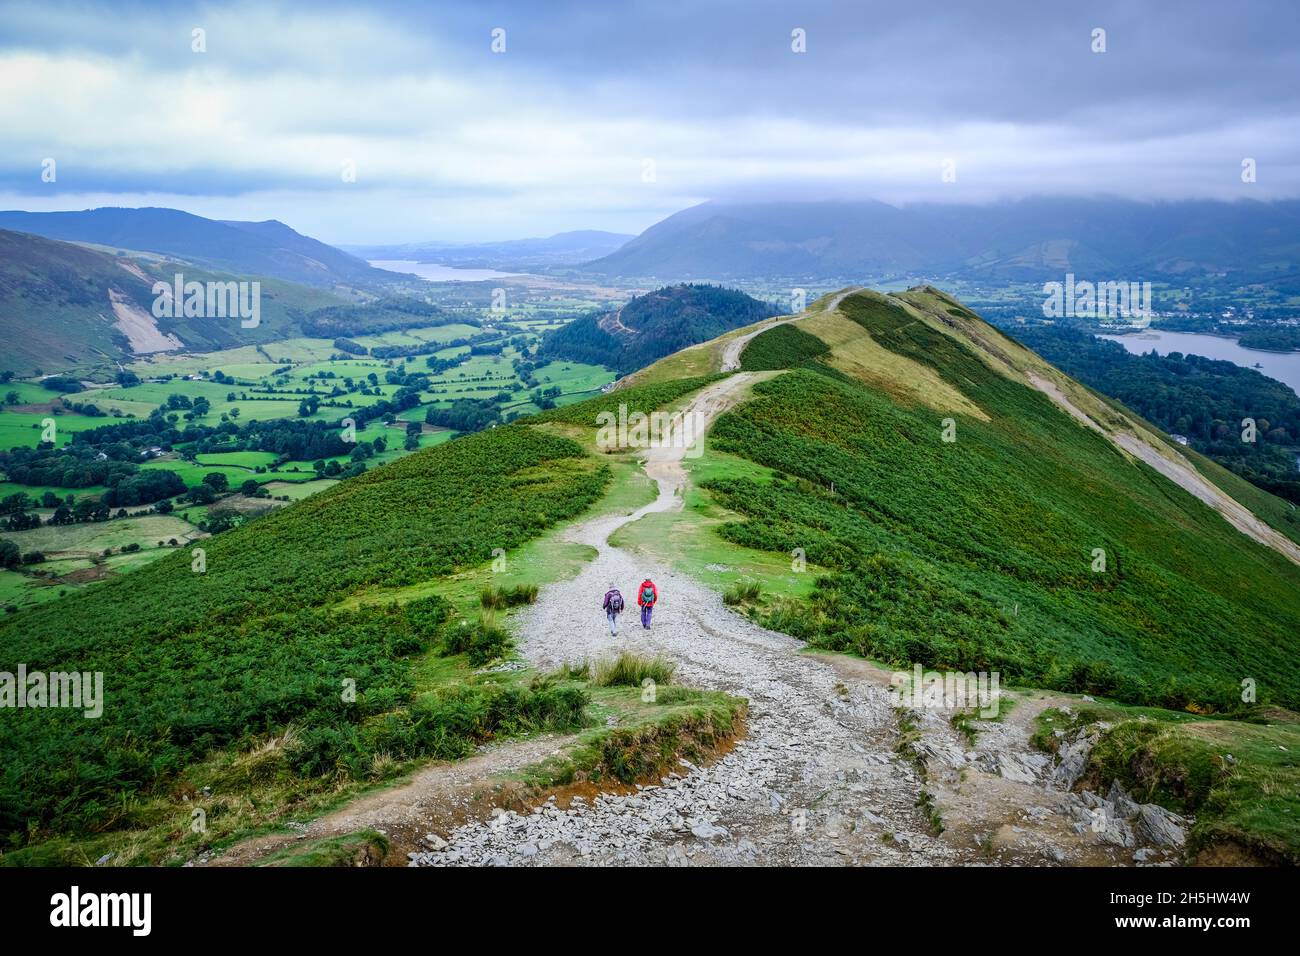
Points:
[814,780]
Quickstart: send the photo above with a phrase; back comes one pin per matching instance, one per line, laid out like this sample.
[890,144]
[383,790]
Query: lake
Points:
[1283,366]
[440,273]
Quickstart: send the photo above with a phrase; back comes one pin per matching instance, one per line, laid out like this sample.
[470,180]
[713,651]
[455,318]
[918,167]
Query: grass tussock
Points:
[494,599]
[632,670]
[681,723]
[741,593]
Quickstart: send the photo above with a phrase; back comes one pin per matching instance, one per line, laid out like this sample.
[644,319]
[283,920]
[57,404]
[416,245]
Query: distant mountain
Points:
[244,248]
[562,249]
[1028,240]
[63,306]
[653,325]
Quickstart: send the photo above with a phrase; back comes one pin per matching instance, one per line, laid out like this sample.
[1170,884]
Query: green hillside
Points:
[57,307]
[194,661]
[54,305]
[952,490]
[979,553]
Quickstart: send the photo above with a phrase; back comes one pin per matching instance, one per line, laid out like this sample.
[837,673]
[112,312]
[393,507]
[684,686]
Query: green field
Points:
[75,554]
[30,393]
[238,459]
[26,428]
[270,381]
[94,537]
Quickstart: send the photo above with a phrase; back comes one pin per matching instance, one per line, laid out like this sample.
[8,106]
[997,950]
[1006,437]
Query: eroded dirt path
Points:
[438,798]
[1181,472]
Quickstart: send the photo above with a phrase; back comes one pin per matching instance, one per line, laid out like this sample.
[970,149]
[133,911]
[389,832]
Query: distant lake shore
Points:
[436,272]
[1283,366]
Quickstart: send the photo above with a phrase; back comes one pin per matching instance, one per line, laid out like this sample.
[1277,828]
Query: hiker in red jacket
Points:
[646,596]
[613,607]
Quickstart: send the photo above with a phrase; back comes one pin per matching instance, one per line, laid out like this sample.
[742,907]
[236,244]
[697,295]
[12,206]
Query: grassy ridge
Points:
[978,554]
[193,661]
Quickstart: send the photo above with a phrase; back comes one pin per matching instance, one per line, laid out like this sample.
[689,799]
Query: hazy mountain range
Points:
[1033,239]
[1027,240]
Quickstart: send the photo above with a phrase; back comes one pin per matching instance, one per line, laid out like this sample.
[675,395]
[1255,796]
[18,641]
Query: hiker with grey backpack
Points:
[613,608]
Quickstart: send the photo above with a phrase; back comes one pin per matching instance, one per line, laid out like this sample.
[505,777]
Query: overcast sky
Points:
[611,115]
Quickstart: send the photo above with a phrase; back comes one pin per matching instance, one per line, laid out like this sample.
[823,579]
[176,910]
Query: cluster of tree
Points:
[384,315]
[144,487]
[63,383]
[10,555]
[21,521]
[85,510]
[75,466]
[660,322]
[21,501]
[437,365]
[545,398]
[1273,338]
[350,347]
[89,409]
[413,431]
[289,439]
[333,469]
[465,415]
